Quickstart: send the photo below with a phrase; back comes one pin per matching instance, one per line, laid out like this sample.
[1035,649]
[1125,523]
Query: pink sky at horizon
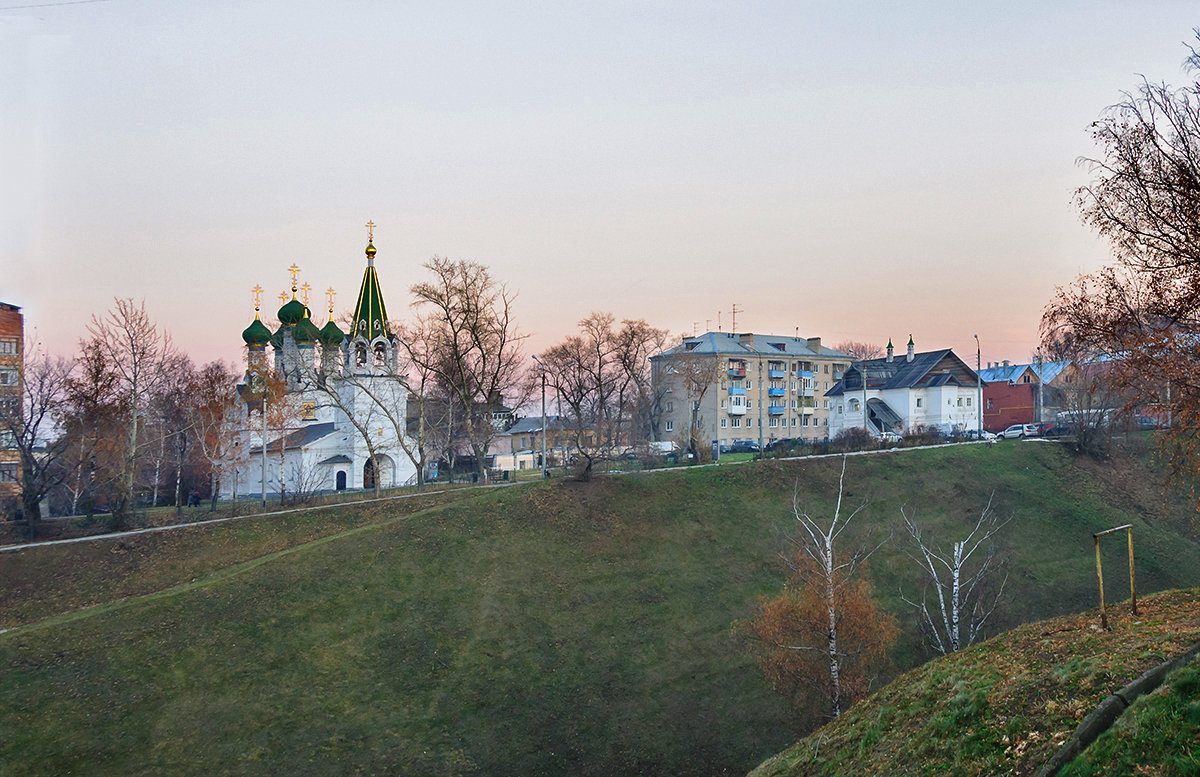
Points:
[853,172]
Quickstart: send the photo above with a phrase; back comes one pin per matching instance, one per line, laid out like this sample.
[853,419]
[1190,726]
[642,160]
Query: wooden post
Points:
[1100,579]
[1132,585]
[1100,572]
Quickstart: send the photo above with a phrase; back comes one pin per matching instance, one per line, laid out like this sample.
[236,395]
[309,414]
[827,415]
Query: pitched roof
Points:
[901,373]
[534,424]
[1046,371]
[302,436]
[749,344]
[370,314]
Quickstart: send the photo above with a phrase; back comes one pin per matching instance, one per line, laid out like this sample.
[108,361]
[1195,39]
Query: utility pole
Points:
[542,369]
[979,382]
[264,449]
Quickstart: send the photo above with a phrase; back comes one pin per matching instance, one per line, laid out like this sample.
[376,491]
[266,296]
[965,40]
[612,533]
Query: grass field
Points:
[1006,706]
[552,628]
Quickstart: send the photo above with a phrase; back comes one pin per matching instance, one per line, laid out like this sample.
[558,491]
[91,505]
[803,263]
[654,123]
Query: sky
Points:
[846,170]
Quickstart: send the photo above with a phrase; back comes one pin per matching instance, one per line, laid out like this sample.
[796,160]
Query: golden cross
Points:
[294,270]
[304,290]
[329,294]
[258,290]
[282,297]
[370,225]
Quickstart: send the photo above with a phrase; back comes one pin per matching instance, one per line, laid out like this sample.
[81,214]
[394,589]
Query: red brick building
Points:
[1023,393]
[12,346]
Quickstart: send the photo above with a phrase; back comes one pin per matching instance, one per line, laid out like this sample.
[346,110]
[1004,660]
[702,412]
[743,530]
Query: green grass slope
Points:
[1005,706]
[558,628]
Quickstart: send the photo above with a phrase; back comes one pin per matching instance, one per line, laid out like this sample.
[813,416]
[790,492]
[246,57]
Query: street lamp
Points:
[542,369]
[979,382]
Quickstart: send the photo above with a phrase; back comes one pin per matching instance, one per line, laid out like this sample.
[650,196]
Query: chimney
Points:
[814,344]
[891,351]
[911,348]
[1006,362]
[746,339]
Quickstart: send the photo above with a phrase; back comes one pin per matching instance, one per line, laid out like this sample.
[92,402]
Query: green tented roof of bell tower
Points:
[370,314]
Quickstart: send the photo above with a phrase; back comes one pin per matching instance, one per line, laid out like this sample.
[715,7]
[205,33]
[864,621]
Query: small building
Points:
[1023,393]
[933,389]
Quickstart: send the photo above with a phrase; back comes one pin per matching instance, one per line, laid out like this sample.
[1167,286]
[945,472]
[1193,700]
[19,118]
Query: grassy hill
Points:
[1006,706]
[558,628]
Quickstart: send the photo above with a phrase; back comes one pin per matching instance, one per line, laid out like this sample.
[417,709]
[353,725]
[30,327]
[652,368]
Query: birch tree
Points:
[959,578]
[824,631]
[26,423]
[139,356]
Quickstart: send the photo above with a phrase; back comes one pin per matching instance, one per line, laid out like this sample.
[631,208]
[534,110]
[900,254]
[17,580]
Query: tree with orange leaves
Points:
[824,631]
[1139,319]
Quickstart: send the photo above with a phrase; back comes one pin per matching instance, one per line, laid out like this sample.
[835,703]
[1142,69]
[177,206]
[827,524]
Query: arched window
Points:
[360,354]
[380,354]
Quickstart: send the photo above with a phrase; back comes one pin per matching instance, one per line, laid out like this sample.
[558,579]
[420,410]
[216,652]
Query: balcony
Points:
[776,374]
[736,410]
[805,374]
[776,410]
[737,392]
[737,369]
[775,392]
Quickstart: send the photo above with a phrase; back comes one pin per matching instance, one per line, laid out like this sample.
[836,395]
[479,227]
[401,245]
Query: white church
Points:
[340,389]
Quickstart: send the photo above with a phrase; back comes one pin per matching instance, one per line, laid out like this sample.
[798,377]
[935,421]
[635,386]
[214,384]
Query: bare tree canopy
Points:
[959,577]
[474,348]
[140,359]
[27,425]
[1141,315]
[601,375]
[859,351]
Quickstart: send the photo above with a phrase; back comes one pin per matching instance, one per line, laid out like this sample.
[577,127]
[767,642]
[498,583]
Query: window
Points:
[670,426]
[774,422]
[749,403]
[839,409]
[737,422]
[670,406]
[827,404]
[724,422]
[8,473]
[919,401]
[960,401]
[968,401]
[308,411]
[989,404]
[805,420]
[8,376]
[8,347]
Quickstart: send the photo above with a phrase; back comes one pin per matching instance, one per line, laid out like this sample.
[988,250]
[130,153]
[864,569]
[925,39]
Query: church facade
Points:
[334,400]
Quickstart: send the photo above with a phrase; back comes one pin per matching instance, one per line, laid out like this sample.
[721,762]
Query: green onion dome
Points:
[306,333]
[257,334]
[292,313]
[331,336]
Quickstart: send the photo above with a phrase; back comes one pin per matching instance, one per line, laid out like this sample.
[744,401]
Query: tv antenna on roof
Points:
[733,323]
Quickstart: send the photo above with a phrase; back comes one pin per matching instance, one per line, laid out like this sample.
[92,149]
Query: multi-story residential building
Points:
[12,346]
[744,386]
[931,389]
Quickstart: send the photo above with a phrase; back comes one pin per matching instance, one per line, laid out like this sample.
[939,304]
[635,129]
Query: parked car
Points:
[1019,430]
[976,434]
[744,446]
[1056,430]
[890,438]
[1147,422]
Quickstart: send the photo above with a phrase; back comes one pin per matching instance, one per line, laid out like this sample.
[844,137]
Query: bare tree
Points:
[1143,311]
[859,351]
[216,418]
[825,630]
[959,578]
[695,374]
[27,424]
[140,358]
[92,426]
[474,348]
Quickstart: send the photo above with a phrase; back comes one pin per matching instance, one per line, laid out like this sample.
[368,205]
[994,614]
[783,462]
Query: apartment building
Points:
[12,344]
[745,386]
